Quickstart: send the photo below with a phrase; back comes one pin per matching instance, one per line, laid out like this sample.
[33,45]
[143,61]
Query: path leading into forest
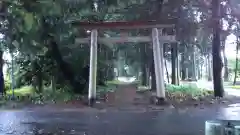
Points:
[100,122]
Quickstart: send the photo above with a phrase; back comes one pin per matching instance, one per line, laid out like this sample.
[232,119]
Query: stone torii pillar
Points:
[93,68]
[158,63]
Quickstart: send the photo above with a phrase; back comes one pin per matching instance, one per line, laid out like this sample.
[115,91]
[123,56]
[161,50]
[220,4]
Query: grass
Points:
[116,82]
[25,90]
[113,82]
[235,87]
[187,89]
[19,92]
[58,95]
[190,89]
[64,94]
[186,92]
[46,96]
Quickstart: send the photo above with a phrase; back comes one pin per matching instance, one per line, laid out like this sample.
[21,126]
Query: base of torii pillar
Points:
[91,101]
[159,101]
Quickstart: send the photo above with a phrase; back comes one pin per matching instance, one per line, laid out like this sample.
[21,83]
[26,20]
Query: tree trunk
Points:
[193,76]
[216,51]
[2,90]
[3,11]
[183,67]
[53,83]
[39,77]
[110,72]
[206,67]
[148,75]
[148,63]
[209,66]
[174,59]
[144,75]
[226,71]
[66,69]
[110,67]
[236,65]
[143,63]
[165,64]
[201,71]
[178,68]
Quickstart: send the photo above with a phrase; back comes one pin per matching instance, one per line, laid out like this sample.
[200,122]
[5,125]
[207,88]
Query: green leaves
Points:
[28,21]
[50,8]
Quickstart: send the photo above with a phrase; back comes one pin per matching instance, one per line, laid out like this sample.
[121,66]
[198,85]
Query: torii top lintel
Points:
[121,25]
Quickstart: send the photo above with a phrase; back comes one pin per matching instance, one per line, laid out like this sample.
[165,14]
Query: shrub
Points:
[25,90]
[7,84]
[188,90]
[63,94]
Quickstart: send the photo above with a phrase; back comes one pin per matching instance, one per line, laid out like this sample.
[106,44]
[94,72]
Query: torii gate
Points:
[157,39]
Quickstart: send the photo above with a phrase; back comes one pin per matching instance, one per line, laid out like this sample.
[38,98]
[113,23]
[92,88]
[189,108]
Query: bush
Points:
[25,90]
[7,84]
[47,95]
[187,91]
[63,94]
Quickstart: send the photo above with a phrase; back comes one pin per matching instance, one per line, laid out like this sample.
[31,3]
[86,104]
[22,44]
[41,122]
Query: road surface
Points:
[125,122]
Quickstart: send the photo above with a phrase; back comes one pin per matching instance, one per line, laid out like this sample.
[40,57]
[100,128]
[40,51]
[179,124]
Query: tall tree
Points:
[236,63]
[3,10]
[174,60]
[216,50]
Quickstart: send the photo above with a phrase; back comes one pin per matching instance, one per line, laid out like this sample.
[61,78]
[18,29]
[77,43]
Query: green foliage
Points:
[37,21]
[61,95]
[104,89]
[232,67]
[48,95]
[23,91]
[235,87]
[191,90]
[7,84]
[232,64]
[29,24]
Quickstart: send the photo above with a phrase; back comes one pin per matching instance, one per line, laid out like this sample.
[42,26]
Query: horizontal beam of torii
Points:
[121,25]
[137,39]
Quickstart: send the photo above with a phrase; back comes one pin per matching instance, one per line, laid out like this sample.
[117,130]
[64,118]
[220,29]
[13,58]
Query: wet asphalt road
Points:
[89,122]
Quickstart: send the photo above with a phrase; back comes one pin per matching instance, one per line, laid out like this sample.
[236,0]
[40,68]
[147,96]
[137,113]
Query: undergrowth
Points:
[184,92]
[187,89]
[28,94]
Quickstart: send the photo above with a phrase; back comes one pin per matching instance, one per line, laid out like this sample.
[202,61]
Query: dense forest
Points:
[41,40]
